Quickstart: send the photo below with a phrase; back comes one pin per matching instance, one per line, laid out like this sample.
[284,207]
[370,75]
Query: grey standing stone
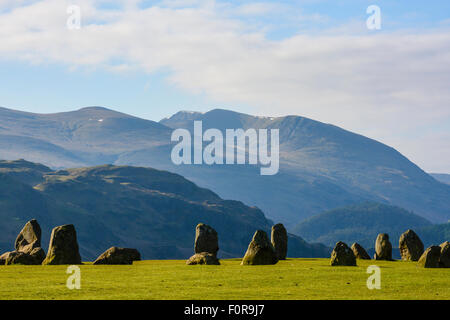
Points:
[342,255]
[360,252]
[383,247]
[63,247]
[260,251]
[206,239]
[280,240]
[430,258]
[410,246]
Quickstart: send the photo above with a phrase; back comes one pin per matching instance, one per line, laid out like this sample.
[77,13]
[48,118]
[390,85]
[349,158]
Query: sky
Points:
[313,58]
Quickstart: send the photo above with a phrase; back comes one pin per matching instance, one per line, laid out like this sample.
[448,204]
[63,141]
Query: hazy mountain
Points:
[360,223]
[441,177]
[151,210]
[321,166]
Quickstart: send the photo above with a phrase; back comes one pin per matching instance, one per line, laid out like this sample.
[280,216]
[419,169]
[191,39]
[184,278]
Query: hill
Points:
[442,177]
[362,223]
[322,166]
[151,210]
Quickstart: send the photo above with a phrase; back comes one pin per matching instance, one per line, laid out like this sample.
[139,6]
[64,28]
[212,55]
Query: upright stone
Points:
[116,255]
[342,255]
[63,247]
[444,260]
[430,258]
[383,247]
[206,239]
[360,252]
[29,238]
[410,245]
[260,251]
[279,241]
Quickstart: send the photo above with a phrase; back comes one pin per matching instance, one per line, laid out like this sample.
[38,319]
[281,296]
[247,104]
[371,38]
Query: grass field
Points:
[170,279]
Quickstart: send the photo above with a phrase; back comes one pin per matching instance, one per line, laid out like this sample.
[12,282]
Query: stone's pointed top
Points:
[29,237]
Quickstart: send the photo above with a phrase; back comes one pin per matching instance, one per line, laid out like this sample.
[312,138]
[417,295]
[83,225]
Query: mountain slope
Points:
[360,223]
[441,177]
[321,166]
[151,210]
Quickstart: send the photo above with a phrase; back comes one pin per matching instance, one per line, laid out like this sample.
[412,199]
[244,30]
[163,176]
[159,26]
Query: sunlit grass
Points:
[173,279]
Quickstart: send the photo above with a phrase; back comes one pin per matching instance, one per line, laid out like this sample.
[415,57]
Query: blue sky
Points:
[312,58]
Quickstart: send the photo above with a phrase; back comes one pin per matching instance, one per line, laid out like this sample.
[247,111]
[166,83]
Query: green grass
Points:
[170,279]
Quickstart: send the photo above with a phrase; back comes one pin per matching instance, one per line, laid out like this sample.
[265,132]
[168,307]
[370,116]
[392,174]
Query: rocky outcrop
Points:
[28,247]
[383,247]
[206,239]
[203,258]
[342,255]
[29,237]
[63,247]
[410,245]
[360,252]
[260,251]
[115,255]
[444,260]
[430,258]
[279,241]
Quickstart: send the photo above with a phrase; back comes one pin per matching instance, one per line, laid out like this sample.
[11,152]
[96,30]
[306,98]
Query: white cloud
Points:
[388,86]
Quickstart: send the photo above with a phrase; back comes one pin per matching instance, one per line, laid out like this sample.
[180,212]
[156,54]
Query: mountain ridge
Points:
[322,166]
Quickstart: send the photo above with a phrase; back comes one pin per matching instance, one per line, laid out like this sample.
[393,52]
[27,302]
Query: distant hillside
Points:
[435,234]
[442,177]
[151,210]
[322,166]
[360,223]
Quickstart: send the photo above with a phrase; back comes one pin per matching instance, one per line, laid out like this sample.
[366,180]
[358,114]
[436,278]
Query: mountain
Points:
[151,210]
[435,234]
[441,177]
[321,166]
[362,223]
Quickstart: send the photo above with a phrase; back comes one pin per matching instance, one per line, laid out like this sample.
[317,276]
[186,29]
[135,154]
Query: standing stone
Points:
[206,239]
[203,258]
[260,251]
[383,247]
[360,252]
[280,241]
[29,238]
[410,245]
[430,258]
[342,255]
[115,255]
[28,247]
[63,247]
[445,255]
